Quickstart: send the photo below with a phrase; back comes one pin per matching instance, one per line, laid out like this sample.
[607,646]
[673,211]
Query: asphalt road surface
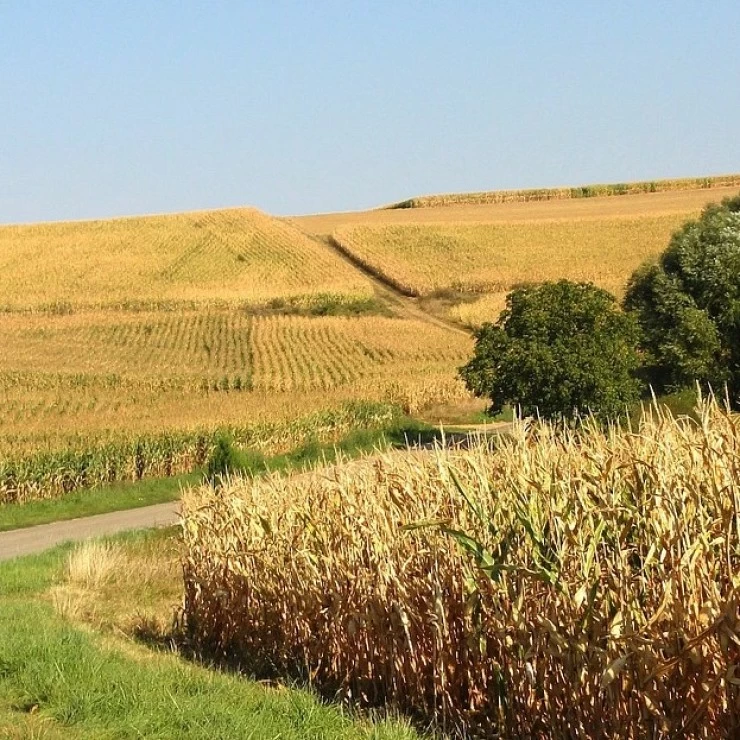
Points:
[31,540]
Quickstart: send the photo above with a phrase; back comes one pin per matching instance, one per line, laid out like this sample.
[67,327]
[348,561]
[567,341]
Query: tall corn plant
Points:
[568,583]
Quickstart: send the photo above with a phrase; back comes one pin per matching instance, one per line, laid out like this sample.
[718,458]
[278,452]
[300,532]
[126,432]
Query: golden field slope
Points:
[136,324]
[493,257]
[140,325]
[237,256]
[484,249]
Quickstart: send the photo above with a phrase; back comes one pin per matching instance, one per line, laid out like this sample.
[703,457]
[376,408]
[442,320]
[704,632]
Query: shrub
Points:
[227,459]
[557,350]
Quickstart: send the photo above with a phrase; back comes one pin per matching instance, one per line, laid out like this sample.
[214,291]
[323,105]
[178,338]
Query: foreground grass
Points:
[63,678]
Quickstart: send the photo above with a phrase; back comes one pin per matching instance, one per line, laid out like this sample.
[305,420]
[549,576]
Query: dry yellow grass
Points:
[125,587]
[93,564]
[477,312]
[233,256]
[564,584]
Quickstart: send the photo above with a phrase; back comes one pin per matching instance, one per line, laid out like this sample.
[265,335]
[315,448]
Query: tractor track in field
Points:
[405,305]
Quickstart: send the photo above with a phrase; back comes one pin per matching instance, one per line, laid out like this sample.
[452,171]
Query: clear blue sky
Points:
[111,108]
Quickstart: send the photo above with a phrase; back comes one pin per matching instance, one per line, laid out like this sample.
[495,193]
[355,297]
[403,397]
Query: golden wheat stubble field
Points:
[483,250]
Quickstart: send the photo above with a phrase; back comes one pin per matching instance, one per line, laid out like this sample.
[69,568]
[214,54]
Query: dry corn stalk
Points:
[564,584]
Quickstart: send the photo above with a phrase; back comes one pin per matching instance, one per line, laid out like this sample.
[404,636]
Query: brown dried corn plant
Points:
[579,583]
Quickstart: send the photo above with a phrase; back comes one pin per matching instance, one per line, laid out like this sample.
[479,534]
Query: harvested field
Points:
[572,193]
[688,202]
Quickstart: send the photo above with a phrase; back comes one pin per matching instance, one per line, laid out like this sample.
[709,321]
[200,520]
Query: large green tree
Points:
[688,304]
[558,349]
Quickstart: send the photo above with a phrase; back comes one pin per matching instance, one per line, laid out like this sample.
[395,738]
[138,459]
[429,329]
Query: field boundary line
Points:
[371,271]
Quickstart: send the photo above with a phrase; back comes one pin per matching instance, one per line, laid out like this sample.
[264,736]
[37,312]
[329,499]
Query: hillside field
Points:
[492,257]
[234,257]
[480,250]
[203,320]
[135,326]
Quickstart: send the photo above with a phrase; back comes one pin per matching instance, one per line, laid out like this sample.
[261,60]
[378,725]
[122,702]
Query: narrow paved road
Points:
[19,542]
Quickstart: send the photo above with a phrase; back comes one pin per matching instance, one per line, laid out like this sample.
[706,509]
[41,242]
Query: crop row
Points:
[569,193]
[53,473]
[264,352]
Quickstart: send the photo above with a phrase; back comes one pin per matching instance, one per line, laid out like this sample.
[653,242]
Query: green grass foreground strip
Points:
[59,681]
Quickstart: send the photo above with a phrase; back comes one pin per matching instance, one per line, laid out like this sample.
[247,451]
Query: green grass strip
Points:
[87,502]
[59,681]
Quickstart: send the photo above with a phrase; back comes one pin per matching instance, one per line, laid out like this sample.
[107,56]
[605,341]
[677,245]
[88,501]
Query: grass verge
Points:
[117,497]
[406,432]
[62,679]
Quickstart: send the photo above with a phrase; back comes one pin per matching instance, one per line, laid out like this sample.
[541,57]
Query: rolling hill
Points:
[232,257]
[461,255]
[133,325]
